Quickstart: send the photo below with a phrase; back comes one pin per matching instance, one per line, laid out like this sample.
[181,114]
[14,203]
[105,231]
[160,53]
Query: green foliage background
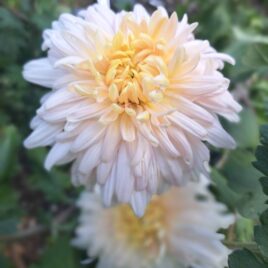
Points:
[37,214]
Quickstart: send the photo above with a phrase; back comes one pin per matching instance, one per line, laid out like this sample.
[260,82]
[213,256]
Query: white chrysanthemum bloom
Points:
[134,97]
[177,230]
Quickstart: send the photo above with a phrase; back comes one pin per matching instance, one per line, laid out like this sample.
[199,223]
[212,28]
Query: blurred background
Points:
[37,213]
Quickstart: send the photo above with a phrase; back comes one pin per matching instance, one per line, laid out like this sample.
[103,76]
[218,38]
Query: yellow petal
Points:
[144,116]
[113,92]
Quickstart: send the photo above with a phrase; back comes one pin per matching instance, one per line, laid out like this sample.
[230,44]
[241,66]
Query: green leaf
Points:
[264,183]
[262,158]
[259,89]
[246,133]
[249,37]
[8,226]
[9,142]
[222,190]
[8,20]
[255,57]
[54,185]
[252,204]
[243,179]
[244,229]
[250,52]
[261,234]
[8,202]
[244,259]
[123,4]
[59,254]
[264,134]
[264,218]
[261,237]
[37,156]
[4,262]
[261,231]
[13,34]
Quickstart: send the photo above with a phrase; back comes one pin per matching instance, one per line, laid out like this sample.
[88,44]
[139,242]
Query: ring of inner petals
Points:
[132,68]
[147,232]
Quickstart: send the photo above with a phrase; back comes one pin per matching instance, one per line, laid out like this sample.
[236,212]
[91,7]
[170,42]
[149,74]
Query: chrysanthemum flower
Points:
[179,229]
[134,97]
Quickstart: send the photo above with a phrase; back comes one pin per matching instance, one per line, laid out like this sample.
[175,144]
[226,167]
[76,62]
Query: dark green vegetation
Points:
[37,214]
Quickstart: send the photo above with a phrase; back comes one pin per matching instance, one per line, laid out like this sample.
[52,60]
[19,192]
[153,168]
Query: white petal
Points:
[40,72]
[109,186]
[165,142]
[101,16]
[139,202]
[77,178]
[59,113]
[188,124]
[35,122]
[140,181]
[201,86]
[136,149]
[43,135]
[124,176]
[218,137]
[140,13]
[60,97]
[153,175]
[90,159]
[146,131]
[200,252]
[87,111]
[57,153]
[88,137]
[181,143]
[127,128]
[193,110]
[201,156]
[176,171]
[108,117]
[111,142]
[105,3]
[103,171]
[67,61]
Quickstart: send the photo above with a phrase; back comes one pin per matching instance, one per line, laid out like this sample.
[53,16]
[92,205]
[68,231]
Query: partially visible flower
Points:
[133,99]
[179,229]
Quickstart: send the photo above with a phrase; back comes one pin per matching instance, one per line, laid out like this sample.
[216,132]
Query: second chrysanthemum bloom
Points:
[178,230]
[134,97]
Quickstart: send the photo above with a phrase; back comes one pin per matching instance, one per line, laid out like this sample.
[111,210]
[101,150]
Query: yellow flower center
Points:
[136,72]
[144,234]
[129,71]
